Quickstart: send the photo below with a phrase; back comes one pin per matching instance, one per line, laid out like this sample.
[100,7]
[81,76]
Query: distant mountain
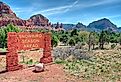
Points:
[102,24]
[97,26]
[119,29]
[68,26]
[80,26]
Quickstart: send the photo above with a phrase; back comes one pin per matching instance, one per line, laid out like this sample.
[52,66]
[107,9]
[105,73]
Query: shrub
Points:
[54,40]
[3,34]
[71,42]
[30,62]
[113,46]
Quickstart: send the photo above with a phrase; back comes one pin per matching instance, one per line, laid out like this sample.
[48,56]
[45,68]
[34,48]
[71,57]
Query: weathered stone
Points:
[39,67]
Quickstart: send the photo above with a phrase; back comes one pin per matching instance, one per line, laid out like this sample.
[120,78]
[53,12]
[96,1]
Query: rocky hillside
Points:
[39,20]
[7,16]
[5,11]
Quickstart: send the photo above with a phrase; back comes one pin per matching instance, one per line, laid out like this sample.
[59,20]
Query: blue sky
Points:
[69,11]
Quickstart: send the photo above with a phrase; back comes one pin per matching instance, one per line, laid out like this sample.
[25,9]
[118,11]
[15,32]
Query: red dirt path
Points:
[52,73]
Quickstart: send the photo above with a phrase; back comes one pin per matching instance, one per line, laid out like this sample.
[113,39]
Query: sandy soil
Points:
[52,73]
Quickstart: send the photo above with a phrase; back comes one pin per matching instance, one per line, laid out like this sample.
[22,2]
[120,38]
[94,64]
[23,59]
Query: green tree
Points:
[64,38]
[114,37]
[119,40]
[74,32]
[77,38]
[12,28]
[4,31]
[93,40]
[102,39]
[71,42]
[2,38]
[54,40]
[84,36]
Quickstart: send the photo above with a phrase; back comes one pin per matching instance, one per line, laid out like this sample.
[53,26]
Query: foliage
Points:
[71,42]
[30,62]
[106,67]
[64,38]
[3,34]
[84,36]
[77,39]
[74,32]
[70,37]
[54,40]
[92,40]
[102,39]
[113,46]
[2,38]
[95,38]
[119,39]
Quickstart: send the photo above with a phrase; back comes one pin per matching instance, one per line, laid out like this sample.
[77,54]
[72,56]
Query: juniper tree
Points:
[92,40]
[102,39]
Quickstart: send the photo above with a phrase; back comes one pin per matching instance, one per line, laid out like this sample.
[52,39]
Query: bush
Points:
[113,46]
[3,34]
[71,42]
[54,40]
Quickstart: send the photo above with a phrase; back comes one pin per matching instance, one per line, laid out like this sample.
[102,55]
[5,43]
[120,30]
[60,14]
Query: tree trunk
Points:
[93,46]
[89,47]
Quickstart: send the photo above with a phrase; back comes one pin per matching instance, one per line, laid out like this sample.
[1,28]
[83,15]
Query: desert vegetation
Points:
[94,40]
[103,66]
[92,56]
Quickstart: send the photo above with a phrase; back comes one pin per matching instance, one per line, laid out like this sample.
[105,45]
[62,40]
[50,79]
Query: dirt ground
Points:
[52,73]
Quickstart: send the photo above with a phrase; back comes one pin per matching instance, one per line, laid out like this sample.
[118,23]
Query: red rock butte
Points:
[7,16]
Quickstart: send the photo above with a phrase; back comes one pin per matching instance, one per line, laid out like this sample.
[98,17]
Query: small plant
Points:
[30,62]
[58,61]
[107,67]
[83,44]
[113,46]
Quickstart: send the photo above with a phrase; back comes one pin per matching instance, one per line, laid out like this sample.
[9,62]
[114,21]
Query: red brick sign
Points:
[30,40]
[27,41]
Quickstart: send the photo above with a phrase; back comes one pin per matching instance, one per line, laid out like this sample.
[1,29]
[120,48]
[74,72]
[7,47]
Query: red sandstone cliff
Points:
[7,16]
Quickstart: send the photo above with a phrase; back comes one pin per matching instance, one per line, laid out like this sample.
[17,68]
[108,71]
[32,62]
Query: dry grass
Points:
[103,66]
[2,62]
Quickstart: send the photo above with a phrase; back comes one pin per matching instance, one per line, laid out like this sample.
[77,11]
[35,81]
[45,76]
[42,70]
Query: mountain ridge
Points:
[98,25]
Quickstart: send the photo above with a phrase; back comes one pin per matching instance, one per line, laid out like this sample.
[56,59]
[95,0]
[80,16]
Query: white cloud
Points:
[23,10]
[97,3]
[113,16]
[61,9]
[103,2]
[66,8]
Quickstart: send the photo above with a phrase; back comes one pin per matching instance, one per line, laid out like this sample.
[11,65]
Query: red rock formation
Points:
[58,27]
[5,10]
[7,16]
[39,20]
